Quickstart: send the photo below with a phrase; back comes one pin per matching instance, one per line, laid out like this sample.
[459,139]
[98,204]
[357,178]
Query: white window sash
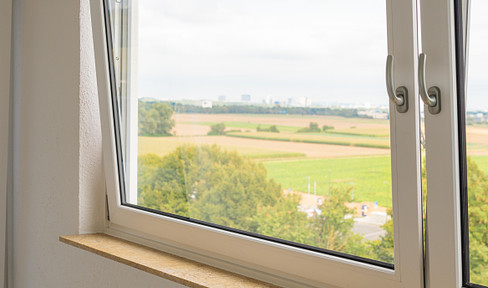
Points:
[281,264]
[443,238]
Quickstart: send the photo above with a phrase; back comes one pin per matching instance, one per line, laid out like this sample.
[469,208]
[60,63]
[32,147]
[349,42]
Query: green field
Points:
[481,161]
[368,176]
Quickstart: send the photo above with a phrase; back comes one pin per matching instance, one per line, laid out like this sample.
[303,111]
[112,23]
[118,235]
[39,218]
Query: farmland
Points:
[368,177]
[354,154]
[345,161]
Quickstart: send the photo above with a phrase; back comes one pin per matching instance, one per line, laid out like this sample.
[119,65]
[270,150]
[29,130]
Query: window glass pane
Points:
[477,142]
[269,117]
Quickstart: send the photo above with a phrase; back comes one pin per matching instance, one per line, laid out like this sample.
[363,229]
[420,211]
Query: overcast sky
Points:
[325,50]
[330,51]
[477,94]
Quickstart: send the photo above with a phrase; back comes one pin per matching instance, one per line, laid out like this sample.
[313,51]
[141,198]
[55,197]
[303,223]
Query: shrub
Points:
[217,129]
[325,128]
[272,128]
[312,127]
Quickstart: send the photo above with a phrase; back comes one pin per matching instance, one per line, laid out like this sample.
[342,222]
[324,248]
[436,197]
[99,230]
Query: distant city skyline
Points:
[328,51]
[324,50]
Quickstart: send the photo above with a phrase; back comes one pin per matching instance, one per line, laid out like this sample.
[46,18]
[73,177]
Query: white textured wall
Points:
[91,217]
[58,181]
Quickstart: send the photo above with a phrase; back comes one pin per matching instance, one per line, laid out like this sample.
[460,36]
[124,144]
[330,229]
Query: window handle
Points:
[431,97]
[398,96]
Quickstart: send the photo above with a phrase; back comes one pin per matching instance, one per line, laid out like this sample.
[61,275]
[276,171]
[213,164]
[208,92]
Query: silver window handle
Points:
[399,96]
[431,97]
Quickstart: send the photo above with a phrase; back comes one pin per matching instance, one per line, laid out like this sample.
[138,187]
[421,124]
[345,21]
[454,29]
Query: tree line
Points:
[225,188]
[258,109]
[222,187]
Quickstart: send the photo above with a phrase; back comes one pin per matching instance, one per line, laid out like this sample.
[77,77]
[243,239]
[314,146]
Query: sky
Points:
[332,51]
[477,75]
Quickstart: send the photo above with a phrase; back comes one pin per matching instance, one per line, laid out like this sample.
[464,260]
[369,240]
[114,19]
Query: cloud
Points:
[329,50]
[477,81]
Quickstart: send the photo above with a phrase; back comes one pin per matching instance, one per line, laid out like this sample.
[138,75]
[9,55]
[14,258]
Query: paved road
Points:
[370,226]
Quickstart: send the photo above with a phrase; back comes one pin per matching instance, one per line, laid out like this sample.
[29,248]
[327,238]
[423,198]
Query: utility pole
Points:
[328,191]
[352,190]
[308,184]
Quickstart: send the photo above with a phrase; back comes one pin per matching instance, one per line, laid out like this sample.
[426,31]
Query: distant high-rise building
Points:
[291,102]
[305,102]
[245,98]
[222,98]
[269,99]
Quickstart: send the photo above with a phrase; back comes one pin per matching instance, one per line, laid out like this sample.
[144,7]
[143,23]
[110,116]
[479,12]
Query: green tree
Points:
[161,183]
[312,127]
[271,128]
[207,183]
[155,119]
[217,129]
[382,248]
[332,229]
[478,221]
[274,129]
[221,187]
[325,128]
[284,221]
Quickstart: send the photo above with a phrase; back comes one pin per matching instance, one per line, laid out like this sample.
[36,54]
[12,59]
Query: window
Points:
[258,136]
[249,162]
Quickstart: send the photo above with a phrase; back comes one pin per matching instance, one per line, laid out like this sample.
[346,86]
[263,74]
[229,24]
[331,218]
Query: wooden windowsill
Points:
[168,266]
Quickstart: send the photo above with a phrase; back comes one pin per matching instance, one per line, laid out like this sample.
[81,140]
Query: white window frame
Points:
[5,59]
[273,262]
[443,237]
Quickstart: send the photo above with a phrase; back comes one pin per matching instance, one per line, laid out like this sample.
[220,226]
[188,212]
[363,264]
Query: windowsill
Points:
[173,268]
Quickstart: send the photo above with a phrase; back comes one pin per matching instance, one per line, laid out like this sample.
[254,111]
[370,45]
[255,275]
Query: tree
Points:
[208,184]
[271,128]
[478,221]
[284,221]
[312,127]
[274,129]
[155,119]
[224,188]
[383,247]
[331,228]
[217,129]
[325,128]
[161,183]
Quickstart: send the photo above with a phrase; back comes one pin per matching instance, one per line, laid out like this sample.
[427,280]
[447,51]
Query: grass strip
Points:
[282,139]
[274,155]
